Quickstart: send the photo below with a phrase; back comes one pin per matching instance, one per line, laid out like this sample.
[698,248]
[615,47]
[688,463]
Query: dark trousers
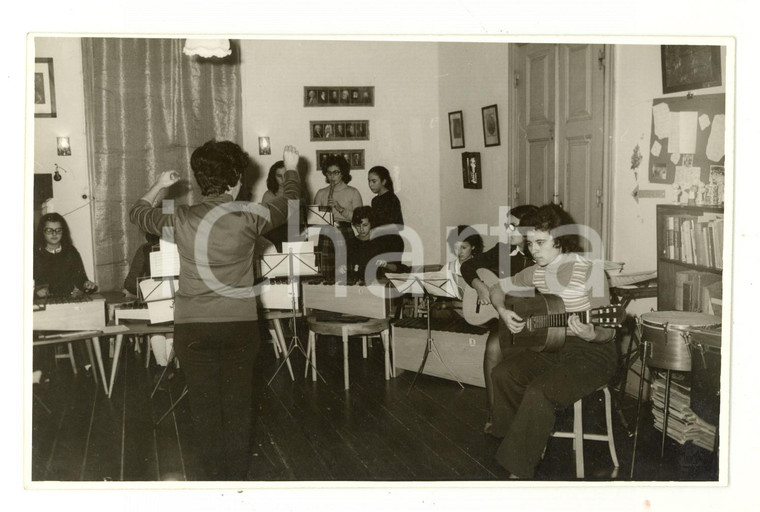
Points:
[217,360]
[530,386]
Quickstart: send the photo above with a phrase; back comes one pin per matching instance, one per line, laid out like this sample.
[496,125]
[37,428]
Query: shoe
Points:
[488,428]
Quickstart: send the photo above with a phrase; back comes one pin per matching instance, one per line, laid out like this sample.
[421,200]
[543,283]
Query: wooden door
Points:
[558,111]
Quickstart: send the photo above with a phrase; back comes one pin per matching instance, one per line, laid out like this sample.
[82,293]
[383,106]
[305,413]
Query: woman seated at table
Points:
[58,268]
[342,199]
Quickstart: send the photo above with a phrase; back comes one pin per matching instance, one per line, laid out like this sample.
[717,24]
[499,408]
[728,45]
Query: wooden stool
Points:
[363,327]
[578,436]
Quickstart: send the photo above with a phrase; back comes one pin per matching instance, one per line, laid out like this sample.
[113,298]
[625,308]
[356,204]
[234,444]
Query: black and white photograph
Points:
[472,176]
[353,157]
[394,346]
[326,130]
[456,130]
[340,96]
[44,88]
[491,125]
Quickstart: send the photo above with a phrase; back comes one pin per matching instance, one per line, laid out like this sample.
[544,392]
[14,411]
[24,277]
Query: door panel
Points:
[534,176]
[580,133]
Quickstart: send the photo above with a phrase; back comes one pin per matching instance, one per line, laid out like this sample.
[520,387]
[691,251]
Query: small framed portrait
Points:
[340,130]
[354,157]
[659,173]
[345,97]
[689,67]
[309,97]
[317,130]
[44,88]
[323,99]
[491,125]
[472,176]
[456,129]
[328,131]
[334,96]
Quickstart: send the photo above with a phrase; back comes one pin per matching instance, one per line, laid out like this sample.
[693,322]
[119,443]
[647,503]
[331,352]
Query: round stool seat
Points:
[345,326]
[334,327]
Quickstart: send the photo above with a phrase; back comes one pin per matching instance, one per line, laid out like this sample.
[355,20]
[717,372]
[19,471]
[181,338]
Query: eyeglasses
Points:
[51,231]
[511,226]
[333,173]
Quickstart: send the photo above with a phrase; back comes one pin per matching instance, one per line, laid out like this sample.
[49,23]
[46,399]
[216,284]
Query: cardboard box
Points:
[460,345]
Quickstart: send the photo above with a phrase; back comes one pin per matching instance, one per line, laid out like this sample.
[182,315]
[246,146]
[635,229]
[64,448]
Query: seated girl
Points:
[366,255]
[58,267]
[518,259]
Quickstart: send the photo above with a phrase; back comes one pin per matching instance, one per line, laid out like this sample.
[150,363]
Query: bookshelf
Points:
[689,258]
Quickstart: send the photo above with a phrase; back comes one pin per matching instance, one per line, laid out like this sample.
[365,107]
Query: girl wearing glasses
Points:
[58,268]
[342,199]
[519,258]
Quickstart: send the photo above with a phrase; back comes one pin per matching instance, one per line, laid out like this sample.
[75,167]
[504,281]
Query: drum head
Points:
[681,320]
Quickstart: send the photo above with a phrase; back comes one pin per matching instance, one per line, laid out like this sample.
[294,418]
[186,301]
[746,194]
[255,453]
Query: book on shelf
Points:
[690,291]
[694,239]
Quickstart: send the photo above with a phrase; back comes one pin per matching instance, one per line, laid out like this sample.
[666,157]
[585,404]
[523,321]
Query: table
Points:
[133,328]
[68,337]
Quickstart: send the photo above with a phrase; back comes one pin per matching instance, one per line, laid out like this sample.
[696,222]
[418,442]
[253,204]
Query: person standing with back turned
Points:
[216,336]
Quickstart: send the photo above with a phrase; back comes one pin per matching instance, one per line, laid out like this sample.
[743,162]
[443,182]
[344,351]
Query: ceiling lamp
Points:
[207,47]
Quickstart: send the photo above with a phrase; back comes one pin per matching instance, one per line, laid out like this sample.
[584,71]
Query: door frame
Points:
[608,148]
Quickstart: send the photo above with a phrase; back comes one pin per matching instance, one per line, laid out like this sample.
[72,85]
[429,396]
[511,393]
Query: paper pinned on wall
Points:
[704,121]
[683,132]
[716,142]
[675,158]
[661,116]
[656,148]
[687,176]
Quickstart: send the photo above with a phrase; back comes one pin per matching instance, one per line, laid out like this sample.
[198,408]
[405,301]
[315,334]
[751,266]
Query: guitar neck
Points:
[557,319]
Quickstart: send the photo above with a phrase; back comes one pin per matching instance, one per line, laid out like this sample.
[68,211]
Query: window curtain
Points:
[147,107]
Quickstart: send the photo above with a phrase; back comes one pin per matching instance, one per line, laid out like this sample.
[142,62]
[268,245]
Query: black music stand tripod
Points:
[430,345]
[295,341]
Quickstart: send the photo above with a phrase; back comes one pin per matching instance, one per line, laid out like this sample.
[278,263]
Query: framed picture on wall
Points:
[491,125]
[44,88]
[339,130]
[689,67]
[456,129]
[354,157]
[472,176]
[345,96]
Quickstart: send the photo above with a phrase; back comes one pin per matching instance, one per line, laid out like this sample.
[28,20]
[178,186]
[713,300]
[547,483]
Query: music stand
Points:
[430,285]
[295,341]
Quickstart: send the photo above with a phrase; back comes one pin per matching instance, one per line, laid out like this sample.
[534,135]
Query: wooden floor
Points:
[316,431]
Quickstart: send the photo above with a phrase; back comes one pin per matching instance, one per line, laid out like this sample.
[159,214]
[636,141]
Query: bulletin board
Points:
[686,124]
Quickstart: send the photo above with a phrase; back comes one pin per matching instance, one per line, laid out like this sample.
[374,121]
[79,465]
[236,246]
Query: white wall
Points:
[472,76]
[69,99]
[637,82]
[404,132]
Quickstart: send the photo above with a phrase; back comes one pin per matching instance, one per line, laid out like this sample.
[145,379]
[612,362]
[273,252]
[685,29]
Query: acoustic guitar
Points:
[544,315]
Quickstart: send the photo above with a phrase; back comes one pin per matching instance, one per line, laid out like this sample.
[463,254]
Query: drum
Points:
[666,332]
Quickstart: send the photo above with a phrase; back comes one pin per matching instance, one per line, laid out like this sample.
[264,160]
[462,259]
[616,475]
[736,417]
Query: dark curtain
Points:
[147,107]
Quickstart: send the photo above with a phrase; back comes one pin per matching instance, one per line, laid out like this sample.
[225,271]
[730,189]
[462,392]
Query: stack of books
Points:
[683,424]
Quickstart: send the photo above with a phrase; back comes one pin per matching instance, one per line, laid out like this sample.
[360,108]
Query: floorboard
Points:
[376,431]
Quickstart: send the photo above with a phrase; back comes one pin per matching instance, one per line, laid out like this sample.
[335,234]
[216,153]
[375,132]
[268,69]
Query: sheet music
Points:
[438,283]
[165,262]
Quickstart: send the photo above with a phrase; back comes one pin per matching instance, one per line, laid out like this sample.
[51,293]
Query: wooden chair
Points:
[335,325]
[578,436]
